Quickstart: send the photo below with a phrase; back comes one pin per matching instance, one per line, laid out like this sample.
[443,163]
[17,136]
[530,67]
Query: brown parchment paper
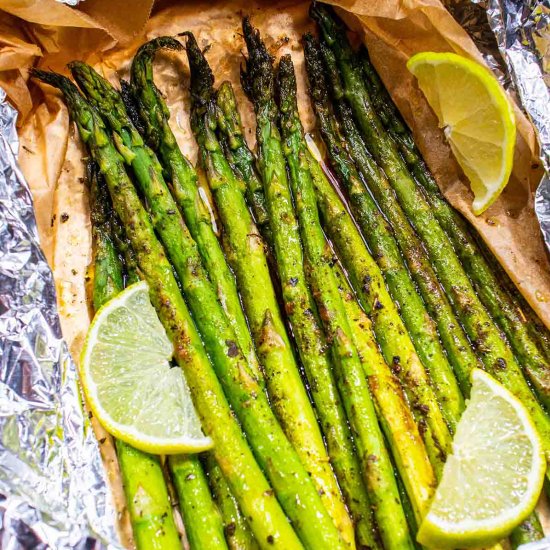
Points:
[106,33]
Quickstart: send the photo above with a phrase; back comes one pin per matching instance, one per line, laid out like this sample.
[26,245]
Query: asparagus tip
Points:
[257,75]
[202,78]
[149,49]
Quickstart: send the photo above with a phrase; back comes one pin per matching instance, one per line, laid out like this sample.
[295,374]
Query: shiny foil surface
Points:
[522,30]
[53,491]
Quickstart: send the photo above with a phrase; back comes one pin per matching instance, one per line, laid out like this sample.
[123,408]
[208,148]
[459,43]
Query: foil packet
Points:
[53,488]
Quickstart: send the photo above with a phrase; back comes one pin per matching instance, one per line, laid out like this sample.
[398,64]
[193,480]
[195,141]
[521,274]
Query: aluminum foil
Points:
[522,31]
[53,490]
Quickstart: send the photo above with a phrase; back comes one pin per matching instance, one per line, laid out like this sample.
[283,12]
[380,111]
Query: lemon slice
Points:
[477,118]
[130,385]
[494,477]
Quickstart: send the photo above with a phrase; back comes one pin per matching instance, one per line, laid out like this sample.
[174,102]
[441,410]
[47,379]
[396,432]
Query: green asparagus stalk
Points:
[126,252]
[108,279]
[394,414]
[299,497]
[183,183]
[529,531]
[417,319]
[237,531]
[188,491]
[492,349]
[254,494]
[142,477]
[480,272]
[247,256]
[240,157]
[201,517]
[390,331]
[314,265]
[504,308]
[454,339]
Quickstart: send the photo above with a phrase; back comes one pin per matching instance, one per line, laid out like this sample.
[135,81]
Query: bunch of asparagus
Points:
[387,319]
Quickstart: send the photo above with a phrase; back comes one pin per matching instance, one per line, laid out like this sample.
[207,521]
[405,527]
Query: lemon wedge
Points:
[128,380]
[493,478]
[476,116]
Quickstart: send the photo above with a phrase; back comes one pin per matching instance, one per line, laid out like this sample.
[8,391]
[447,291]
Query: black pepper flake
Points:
[270,539]
[367,279]
[378,304]
[232,349]
[52,221]
[64,217]
[190,477]
[424,409]
[102,440]
[74,271]
[501,363]
[293,281]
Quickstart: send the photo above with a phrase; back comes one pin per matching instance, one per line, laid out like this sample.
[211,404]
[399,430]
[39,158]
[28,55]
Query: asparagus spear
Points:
[504,308]
[240,157]
[183,183]
[142,477]
[490,346]
[190,485]
[390,331]
[201,517]
[299,497]
[247,255]
[454,339]
[406,444]
[464,242]
[236,528]
[315,266]
[396,419]
[248,484]
[108,279]
[421,326]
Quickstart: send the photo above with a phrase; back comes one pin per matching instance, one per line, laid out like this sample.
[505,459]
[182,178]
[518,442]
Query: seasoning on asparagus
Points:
[142,477]
[492,349]
[237,531]
[183,185]
[390,331]
[256,498]
[240,157]
[201,517]
[413,310]
[395,416]
[465,243]
[247,256]
[504,308]
[314,265]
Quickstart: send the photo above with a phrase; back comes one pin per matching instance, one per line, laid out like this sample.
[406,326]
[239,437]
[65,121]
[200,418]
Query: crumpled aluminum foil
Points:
[53,490]
[522,30]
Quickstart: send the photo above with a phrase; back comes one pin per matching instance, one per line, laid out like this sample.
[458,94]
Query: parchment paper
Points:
[107,33]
